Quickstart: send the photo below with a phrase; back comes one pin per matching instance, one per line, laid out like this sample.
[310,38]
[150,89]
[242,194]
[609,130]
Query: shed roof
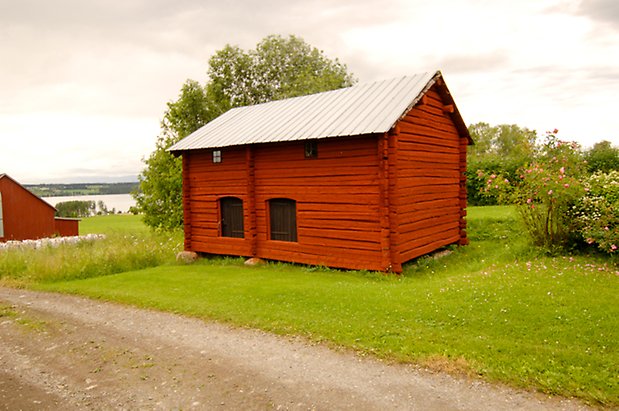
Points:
[4,175]
[361,109]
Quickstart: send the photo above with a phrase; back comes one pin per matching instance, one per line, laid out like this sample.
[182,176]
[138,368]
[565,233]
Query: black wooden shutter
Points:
[283,213]
[232,217]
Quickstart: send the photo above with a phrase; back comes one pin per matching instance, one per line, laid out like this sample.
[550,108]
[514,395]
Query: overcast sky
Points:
[84,83]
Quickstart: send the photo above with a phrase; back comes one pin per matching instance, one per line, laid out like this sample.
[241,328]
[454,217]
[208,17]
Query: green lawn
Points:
[113,223]
[497,308]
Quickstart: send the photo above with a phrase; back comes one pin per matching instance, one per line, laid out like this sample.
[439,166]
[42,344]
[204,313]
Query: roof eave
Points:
[438,80]
[455,116]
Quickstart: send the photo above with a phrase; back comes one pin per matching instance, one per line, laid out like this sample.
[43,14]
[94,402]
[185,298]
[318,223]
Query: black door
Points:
[283,213]
[232,217]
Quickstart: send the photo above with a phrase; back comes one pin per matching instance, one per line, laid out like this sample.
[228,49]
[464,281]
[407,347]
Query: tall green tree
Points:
[75,209]
[500,149]
[602,157]
[501,141]
[277,68]
[160,192]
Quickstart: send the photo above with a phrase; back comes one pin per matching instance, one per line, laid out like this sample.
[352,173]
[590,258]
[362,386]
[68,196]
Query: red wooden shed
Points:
[366,177]
[24,216]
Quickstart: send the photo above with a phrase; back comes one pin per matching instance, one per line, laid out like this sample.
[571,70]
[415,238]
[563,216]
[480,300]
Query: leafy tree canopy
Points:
[602,157]
[75,209]
[501,141]
[500,149]
[277,68]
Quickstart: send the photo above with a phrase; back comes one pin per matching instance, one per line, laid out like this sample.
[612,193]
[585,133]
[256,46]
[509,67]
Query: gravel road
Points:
[66,352]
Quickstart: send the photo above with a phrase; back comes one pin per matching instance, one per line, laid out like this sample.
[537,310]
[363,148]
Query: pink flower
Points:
[529,201]
[590,240]
[587,189]
[562,170]
[489,182]
[566,185]
[493,176]
[613,247]
[549,192]
[606,228]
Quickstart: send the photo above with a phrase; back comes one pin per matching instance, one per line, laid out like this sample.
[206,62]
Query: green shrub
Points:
[545,193]
[597,213]
[478,172]
[500,149]
[602,157]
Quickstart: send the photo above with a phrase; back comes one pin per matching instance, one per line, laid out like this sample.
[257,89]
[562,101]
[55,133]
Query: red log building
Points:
[366,177]
[24,216]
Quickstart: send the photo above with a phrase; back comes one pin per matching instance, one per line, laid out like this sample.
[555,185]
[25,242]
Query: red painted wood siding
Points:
[337,201]
[66,227]
[429,170]
[369,202]
[204,184]
[25,216]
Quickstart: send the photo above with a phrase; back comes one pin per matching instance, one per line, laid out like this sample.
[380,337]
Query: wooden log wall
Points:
[430,198]
[204,183]
[337,197]
[369,202]
[187,201]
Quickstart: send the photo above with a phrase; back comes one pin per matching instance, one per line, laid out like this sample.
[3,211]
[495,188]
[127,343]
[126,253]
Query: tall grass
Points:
[115,254]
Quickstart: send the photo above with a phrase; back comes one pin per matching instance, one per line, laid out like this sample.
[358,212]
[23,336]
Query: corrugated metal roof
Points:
[361,109]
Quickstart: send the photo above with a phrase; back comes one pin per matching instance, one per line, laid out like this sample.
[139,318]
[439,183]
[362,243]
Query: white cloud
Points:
[85,83]
[41,147]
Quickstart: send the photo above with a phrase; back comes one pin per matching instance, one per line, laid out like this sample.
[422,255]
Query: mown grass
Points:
[114,224]
[497,308]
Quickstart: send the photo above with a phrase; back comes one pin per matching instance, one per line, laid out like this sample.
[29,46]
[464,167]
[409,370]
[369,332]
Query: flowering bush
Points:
[545,191]
[478,173]
[545,197]
[597,212]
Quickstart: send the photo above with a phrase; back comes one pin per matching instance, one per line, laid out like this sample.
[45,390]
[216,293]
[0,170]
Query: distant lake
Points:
[121,202]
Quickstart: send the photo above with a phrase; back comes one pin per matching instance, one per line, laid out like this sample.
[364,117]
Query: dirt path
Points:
[64,352]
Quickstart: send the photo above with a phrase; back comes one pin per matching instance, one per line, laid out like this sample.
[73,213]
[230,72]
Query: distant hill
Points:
[87,180]
[79,189]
